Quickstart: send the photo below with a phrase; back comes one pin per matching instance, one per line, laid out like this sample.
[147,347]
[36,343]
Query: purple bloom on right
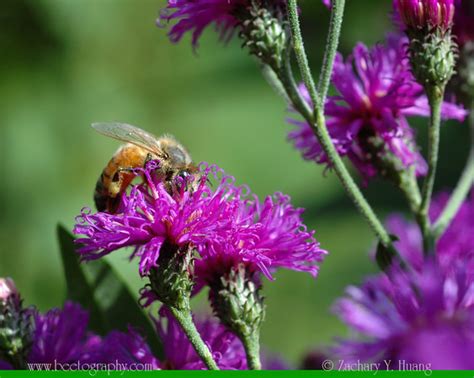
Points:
[423,316]
[367,121]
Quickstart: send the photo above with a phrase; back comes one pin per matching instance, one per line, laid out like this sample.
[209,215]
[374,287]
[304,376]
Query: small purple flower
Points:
[377,92]
[456,244]
[195,15]
[420,14]
[225,347]
[127,349]
[61,336]
[425,315]
[226,226]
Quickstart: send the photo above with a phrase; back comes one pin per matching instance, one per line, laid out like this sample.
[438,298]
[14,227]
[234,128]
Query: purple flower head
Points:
[367,121]
[7,289]
[225,347]
[195,15]
[126,348]
[426,316]
[463,26]
[225,226]
[456,244]
[266,236]
[61,336]
[426,14]
[149,217]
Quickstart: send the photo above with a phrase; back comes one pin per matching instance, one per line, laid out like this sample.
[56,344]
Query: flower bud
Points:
[7,289]
[171,281]
[432,50]
[16,326]
[237,302]
[265,33]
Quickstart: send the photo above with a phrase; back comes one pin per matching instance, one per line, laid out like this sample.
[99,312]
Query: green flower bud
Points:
[172,279]
[237,302]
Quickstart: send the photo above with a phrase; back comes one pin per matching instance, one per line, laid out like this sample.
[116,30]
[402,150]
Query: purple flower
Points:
[195,15]
[226,226]
[150,216]
[425,315]
[61,336]
[225,347]
[127,349]
[420,14]
[463,26]
[456,244]
[367,121]
[267,235]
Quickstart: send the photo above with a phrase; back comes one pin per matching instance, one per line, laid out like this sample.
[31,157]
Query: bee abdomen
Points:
[100,194]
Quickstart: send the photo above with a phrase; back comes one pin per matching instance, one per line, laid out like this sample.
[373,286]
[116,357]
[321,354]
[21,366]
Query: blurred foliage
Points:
[67,63]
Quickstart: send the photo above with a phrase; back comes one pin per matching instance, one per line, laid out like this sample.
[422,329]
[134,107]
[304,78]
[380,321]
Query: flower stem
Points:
[465,184]
[185,319]
[332,43]
[252,350]
[435,97]
[318,121]
[300,53]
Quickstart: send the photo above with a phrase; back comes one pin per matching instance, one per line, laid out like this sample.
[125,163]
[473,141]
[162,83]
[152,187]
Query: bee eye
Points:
[183,175]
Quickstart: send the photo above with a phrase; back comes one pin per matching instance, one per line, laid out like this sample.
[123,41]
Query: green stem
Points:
[298,47]
[252,350]
[435,97]
[318,125]
[332,43]
[185,319]
[465,184]
[409,187]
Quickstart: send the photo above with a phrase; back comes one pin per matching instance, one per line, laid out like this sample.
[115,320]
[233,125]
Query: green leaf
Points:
[97,287]
[78,288]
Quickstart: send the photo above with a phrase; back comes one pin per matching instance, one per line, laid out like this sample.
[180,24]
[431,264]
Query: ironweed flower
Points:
[225,347]
[194,16]
[367,120]
[225,226]
[62,337]
[424,315]
[456,244]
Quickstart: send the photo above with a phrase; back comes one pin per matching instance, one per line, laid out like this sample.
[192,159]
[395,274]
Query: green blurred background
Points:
[67,63]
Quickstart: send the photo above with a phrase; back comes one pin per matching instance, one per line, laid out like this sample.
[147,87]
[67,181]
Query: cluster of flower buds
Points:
[16,328]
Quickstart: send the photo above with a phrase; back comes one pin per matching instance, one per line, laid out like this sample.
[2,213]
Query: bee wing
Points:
[131,134]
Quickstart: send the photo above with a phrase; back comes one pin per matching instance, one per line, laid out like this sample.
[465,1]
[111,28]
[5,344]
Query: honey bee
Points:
[140,147]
